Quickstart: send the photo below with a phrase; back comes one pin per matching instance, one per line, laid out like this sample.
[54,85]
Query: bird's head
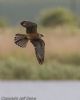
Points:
[23,23]
[28,24]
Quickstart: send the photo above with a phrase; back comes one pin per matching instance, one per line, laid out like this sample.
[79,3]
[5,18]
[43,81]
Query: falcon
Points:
[34,37]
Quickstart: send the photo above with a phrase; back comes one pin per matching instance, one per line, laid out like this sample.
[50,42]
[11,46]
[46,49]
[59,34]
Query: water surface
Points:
[42,90]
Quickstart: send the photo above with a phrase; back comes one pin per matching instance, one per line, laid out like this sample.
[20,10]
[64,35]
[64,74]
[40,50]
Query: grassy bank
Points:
[54,68]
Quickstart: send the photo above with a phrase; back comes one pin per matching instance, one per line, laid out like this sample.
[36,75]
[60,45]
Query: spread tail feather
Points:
[21,40]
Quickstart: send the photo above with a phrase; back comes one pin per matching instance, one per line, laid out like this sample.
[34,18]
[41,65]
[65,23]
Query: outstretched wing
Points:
[21,40]
[39,49]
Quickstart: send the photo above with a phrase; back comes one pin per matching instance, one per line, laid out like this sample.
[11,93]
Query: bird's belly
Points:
[32,36]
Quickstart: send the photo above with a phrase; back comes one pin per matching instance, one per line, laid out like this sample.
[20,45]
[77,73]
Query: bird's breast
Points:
[33,36]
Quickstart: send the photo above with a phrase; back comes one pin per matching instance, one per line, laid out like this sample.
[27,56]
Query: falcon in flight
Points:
[34,37]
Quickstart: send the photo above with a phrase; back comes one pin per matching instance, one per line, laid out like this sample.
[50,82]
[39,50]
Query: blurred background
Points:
[59,21]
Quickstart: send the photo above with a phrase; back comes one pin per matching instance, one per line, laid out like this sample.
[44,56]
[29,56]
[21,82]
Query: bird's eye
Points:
[24,24]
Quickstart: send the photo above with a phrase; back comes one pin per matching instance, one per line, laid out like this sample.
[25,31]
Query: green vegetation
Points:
[60,16]
[55,67]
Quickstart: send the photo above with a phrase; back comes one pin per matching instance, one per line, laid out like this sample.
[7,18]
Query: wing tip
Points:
[40,61]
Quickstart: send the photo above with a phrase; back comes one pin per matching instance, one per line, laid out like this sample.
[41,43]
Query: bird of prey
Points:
[34,37]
